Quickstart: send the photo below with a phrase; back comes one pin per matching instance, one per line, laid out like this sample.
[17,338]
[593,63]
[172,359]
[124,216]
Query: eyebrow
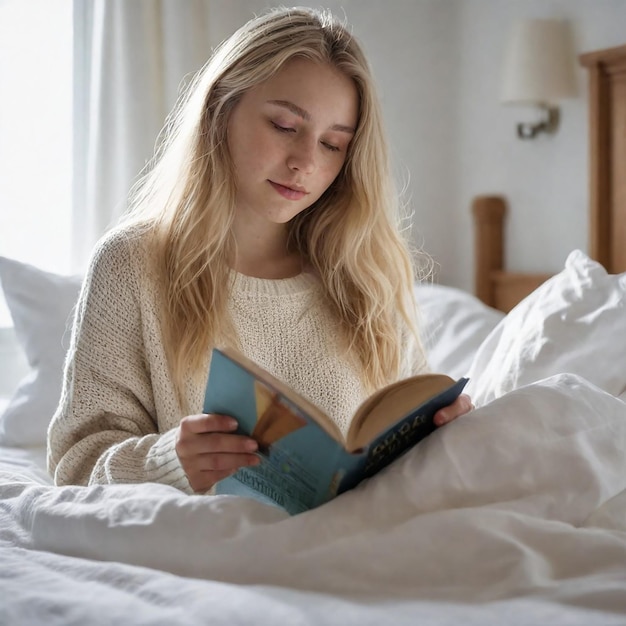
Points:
[306,116]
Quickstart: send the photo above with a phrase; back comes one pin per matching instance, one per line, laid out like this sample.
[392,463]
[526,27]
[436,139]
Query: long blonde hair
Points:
[350,235]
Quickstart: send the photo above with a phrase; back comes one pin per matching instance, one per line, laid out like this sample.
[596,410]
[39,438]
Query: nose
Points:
[301,156]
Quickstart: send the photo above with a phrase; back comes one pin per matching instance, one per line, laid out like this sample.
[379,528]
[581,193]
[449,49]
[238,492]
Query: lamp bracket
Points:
[548,124]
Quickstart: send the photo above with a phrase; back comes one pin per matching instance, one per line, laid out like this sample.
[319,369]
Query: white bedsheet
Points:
[515,514]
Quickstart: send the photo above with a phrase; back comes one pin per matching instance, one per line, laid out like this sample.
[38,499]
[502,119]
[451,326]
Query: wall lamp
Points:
[539,70]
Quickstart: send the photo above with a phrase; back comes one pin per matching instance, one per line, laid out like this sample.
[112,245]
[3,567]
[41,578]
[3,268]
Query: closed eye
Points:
[330,147]
[288,129]
[283,129]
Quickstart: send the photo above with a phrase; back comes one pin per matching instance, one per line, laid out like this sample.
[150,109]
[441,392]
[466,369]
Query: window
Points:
[35,133]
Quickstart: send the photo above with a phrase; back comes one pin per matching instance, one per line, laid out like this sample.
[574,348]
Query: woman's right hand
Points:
[209,450]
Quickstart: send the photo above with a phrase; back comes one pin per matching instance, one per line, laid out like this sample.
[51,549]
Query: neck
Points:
[262,251]
[285,267]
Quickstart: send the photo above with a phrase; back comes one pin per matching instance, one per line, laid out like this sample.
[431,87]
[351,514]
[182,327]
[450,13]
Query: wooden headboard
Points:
[503,289]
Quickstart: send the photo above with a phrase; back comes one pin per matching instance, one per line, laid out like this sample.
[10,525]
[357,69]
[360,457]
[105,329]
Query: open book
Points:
[305,459]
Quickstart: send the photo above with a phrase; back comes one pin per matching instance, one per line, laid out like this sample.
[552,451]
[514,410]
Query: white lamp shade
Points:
[539,63]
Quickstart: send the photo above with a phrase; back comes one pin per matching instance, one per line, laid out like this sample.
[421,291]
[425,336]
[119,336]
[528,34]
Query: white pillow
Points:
[454,323]
[41,306]
[573,323]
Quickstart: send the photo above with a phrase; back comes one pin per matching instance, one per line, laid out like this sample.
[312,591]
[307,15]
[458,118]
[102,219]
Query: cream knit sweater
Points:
[117,418]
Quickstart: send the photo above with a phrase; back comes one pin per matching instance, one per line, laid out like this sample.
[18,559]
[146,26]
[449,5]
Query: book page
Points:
[388,405]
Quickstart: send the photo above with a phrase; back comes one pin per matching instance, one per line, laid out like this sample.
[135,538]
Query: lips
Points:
[289,192]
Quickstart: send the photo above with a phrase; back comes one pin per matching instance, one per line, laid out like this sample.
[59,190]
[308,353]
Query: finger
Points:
[207,422]
[203,481]
[204,471]
[224,462]
[211,443]
[463,404]
[466,403]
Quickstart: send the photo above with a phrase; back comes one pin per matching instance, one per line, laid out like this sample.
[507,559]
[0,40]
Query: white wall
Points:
[437,64]
[544,180]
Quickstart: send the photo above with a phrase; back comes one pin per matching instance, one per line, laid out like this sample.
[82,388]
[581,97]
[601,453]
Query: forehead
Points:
[325,92]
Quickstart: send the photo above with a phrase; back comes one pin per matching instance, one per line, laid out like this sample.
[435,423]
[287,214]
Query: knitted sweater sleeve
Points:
[105,429]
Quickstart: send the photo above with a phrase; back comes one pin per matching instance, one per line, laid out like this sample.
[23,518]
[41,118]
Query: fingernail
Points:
[232,424]
[251,445]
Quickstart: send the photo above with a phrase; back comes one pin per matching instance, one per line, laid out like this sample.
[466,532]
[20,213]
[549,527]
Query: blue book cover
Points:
[305,459]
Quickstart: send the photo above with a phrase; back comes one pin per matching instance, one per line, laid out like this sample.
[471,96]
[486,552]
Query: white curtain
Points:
[131,59]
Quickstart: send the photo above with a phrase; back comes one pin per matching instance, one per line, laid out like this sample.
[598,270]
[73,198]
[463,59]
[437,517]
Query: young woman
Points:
[267,222]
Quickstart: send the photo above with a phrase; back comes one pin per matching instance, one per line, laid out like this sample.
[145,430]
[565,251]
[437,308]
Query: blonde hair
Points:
[349,236]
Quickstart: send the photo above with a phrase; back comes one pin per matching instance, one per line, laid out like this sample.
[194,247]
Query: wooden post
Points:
[489,212]
[607,156]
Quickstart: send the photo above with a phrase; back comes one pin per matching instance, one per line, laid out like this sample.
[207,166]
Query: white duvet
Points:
[514,514]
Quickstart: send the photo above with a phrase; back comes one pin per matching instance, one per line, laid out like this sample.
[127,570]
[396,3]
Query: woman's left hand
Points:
[461,406]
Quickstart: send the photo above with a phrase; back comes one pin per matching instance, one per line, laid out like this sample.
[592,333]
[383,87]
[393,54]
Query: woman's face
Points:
[288,138]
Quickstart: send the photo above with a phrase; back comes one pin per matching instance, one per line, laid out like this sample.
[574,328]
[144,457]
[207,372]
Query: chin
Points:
[284,216]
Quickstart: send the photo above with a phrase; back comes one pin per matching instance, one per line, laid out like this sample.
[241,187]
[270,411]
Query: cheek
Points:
[324,181]
[246,142]
[330,172]
[259,150]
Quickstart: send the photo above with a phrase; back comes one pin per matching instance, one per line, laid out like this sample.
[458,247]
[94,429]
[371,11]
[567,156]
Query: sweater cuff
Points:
[163,464]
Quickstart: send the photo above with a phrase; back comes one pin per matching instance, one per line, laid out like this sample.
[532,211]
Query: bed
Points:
[515,514]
